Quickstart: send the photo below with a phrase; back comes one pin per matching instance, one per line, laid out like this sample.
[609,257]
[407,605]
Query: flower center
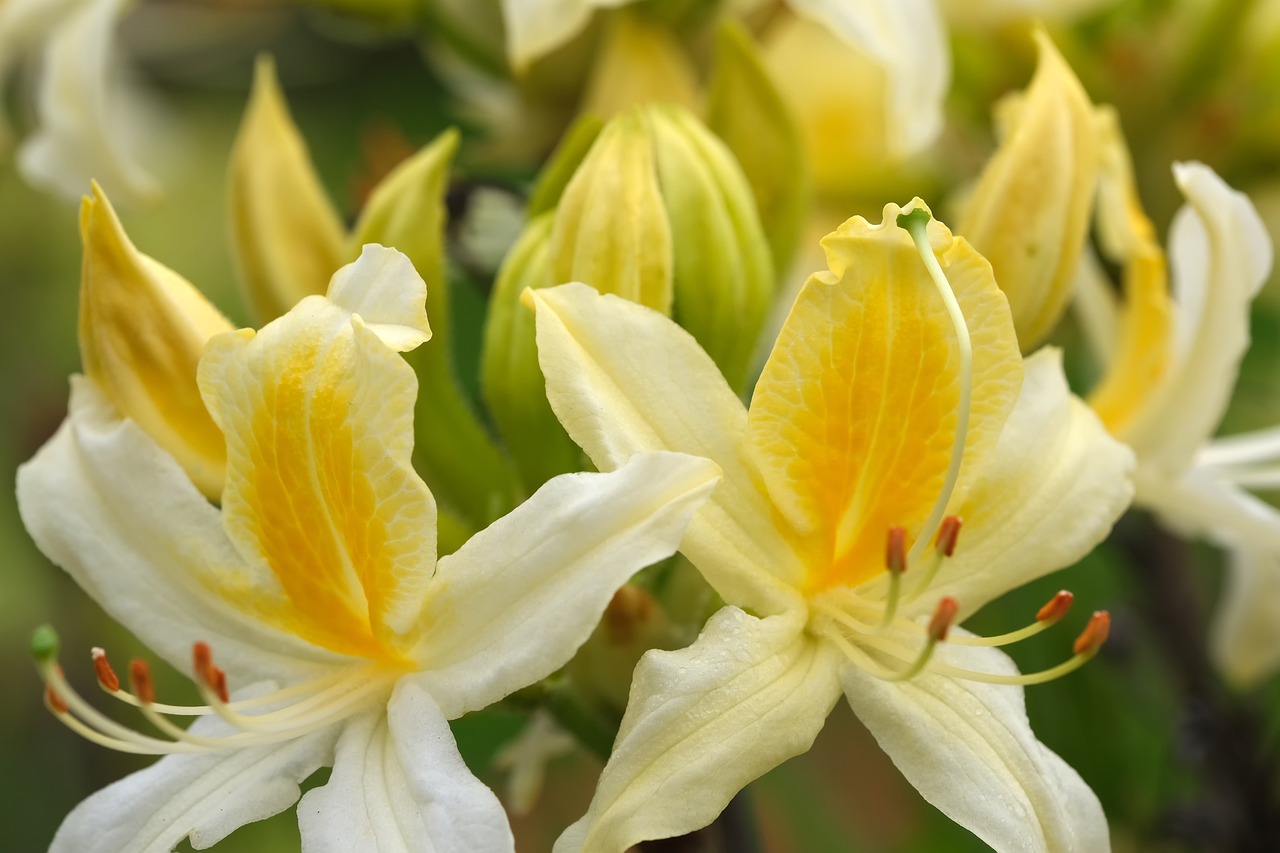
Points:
[271,717]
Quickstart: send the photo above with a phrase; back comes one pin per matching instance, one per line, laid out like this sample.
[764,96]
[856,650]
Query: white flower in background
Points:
[90,123]
[315,588]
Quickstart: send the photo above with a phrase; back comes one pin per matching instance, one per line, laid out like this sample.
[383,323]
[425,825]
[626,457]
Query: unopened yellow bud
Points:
[611,229]
[142,330]
[287,236]
[1029,214]
[746,110]
[640,62]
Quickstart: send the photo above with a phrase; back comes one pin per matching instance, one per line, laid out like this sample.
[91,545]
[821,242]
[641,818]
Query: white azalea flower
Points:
[316,587]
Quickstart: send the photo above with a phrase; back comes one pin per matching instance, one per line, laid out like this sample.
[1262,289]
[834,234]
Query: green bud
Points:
[510,377]
[563,164]
[657,212]
[746,110]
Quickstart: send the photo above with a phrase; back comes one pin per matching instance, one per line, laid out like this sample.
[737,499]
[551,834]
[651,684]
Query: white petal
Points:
[703,722]
[90,124]
[908,39]
[1204,503]
[1054,486]
[1220,256]
[623,380]
[399,784]
[536,27]
[1244,449]
[204,796]
[969,750]
[105,503]
[518,599]
[383,287]
[1245,638]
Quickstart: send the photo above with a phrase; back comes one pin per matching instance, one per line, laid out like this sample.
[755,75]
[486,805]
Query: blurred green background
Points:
[1179,761]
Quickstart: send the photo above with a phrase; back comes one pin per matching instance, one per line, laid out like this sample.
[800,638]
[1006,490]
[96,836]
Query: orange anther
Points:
[218,682]
[1056,608]
[140,678]
[943,617]
[895,552]
[54,700]
[102,668]
[202,662]
[948,533]
[1094,634]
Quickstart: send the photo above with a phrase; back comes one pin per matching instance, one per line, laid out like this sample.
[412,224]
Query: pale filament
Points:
[323,701]
[915,223]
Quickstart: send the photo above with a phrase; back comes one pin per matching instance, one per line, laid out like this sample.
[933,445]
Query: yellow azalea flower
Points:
[142,330]
[895,401]
[89,124]
[314,594]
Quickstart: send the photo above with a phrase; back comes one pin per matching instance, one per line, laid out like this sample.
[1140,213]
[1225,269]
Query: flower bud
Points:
[657,212]
[287,236]
[1029,214]
[746,110]
[142,330]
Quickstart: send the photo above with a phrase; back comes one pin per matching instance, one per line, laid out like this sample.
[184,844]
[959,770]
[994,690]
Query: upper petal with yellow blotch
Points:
[317,410]
[854,419]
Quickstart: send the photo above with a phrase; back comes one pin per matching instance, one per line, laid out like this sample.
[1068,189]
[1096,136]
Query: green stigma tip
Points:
[914,218]
[44,644]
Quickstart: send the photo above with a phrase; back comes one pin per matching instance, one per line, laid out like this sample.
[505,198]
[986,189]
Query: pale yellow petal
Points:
[318,416]
[623,380]
[854,418]
[142,329]
[639,61]
[287,236]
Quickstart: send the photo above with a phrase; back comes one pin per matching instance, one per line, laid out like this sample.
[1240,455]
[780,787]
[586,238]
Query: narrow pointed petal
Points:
[1245,637]
[624,380]
[1203,502]
[287,236]
[969,750]
[91,126]
[142,330]
[518,599]
[1221,255]
[705,721]
[105,503]
[1056,479]
[318,414]
[204,796]
[399,784]
[908,39]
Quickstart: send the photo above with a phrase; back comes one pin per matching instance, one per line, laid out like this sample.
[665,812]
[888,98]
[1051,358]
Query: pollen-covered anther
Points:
[140,681]
[944,616]
[1056,608]
[948,535]
[219,683]
[1094,634]
[895,552]
[208,675]
[107,677]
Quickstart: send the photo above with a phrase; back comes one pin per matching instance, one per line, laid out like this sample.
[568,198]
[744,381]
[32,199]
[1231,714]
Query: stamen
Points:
[107,677]
[944,545]
[916,223]
[55,702]
[1094,634]
[140,680]
[1046,618]
[207,674]
[895,561]
[943,616]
